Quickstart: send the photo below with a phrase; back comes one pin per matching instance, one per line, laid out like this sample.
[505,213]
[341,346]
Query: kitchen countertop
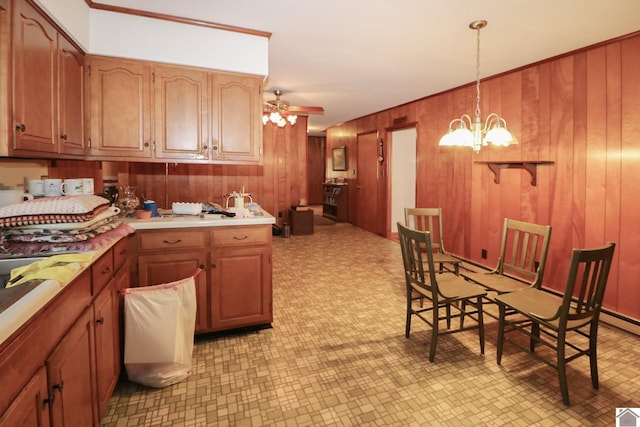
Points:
[206,220]
[34,296]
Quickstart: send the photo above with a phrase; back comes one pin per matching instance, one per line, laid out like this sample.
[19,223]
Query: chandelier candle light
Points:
[467,133]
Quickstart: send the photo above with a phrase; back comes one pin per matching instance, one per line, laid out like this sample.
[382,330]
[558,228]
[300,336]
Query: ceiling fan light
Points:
[275,117]
[282,122]
[292,118]
[265,119]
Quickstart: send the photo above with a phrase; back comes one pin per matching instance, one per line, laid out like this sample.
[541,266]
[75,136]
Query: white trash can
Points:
[159,331]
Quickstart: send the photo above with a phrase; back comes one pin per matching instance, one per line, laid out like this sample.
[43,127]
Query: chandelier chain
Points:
[478,72]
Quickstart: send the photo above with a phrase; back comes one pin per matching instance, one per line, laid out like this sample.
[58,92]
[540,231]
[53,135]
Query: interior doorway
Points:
[403,173]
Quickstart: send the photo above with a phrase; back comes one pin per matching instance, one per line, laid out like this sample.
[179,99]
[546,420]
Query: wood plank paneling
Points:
[580,111]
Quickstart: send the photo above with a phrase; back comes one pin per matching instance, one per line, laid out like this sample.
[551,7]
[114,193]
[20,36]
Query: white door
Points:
[403,174]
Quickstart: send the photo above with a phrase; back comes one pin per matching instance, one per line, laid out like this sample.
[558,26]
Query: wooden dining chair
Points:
[430,219]
[523,255]
[556,320]
[443,290]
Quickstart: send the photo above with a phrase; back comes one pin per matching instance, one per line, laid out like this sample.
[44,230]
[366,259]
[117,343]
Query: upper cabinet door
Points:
[34,77]
[180,113]
[120,125]
[70,100]
[236,105]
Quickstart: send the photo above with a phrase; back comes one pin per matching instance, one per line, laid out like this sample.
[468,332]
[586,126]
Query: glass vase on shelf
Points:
[127,201]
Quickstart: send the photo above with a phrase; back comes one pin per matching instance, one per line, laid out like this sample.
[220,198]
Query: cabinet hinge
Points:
[88,142]
[88,70]
[153,77]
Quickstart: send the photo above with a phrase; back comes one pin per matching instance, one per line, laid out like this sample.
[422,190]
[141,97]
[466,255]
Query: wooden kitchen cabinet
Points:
[157,113]
[48,74]
[241,293]
[180,111]
[234,288]
[236,118]
[61,366]
[173,266]
[71,377]
[31,406]
[107,342]
[119,109]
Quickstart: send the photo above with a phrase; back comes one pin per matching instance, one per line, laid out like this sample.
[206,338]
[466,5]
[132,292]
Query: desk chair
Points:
[444,290]
[552,318]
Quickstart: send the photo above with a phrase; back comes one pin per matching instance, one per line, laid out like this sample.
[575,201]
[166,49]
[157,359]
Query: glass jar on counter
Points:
[128,202]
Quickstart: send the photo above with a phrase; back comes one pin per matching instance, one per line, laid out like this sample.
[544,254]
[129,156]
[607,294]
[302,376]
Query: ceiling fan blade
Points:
[305,109]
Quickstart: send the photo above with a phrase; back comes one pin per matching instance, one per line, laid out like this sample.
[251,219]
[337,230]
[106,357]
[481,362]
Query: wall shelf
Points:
[529,166]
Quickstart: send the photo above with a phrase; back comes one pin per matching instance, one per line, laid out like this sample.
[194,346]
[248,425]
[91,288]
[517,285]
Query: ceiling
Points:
[357,57]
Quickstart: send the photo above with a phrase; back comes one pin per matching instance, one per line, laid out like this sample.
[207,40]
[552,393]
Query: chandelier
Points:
[467,133]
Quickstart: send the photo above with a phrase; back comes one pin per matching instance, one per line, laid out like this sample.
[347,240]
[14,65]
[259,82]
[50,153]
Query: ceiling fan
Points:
[280,112]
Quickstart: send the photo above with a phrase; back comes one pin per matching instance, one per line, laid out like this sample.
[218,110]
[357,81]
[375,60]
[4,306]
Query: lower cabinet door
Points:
[31,407]
[71,377]
[158,269]
[107,333]
[240,287]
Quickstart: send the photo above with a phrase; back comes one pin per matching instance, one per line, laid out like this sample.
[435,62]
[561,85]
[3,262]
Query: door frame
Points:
[388,184]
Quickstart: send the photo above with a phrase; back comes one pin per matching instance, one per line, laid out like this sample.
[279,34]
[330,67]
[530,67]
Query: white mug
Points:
[72,187]
[52,187]
[87,185]
[36,187]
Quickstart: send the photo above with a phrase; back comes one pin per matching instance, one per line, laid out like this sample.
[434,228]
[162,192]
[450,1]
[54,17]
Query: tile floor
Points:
[337,356]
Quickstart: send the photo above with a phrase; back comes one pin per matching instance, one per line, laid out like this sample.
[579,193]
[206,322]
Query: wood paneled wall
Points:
[579,111]
[281,181]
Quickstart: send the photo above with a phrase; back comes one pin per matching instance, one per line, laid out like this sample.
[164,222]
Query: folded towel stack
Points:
[59,224]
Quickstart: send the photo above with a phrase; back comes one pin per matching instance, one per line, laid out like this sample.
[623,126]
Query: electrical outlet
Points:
[484,254]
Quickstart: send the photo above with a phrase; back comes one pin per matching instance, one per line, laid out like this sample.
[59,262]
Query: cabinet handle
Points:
[215,148]
[100,320]
[107,270]
[123,252]
[240,238]
[50,400]
[205,148]
[21,127]
[213,265]
[173,242]
[146,144]
[59,386]
[63,137]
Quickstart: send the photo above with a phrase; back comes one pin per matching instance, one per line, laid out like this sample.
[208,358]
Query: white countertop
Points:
[206,220]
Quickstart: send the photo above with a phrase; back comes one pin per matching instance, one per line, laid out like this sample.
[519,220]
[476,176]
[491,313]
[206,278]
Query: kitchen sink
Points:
[8,264]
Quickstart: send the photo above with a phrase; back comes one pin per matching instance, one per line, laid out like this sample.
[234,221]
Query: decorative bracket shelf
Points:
[529,166]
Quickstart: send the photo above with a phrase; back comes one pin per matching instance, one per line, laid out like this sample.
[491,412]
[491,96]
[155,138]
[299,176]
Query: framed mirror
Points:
[339,158]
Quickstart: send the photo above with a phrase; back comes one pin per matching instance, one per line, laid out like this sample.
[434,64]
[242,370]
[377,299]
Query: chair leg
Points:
[480,324]
[593,353]
[500,343]
[463,311]
[448,310]
[535,332]
[434,334]
[562,369]
[409,311]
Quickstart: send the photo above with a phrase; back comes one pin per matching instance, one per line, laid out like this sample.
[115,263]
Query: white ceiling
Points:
[356,57]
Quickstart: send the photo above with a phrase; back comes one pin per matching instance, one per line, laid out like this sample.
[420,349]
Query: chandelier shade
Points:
[465,132]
